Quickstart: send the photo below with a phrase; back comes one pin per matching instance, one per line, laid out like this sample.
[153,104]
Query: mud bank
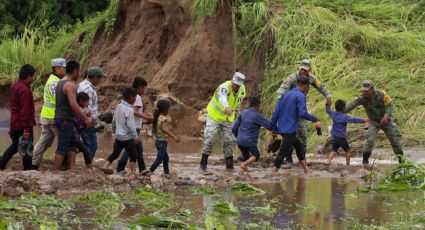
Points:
[15,183]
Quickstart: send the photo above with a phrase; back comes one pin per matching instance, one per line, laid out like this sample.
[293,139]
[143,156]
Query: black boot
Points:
[400,157]
[366,158]
[229,162]
[204,162]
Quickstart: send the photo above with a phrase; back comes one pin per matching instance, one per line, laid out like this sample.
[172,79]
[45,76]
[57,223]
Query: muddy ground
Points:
[184,172]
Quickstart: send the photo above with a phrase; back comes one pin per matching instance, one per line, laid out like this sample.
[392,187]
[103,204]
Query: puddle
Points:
[299,203]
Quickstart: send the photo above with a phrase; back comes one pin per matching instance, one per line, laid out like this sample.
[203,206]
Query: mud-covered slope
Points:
[159,40]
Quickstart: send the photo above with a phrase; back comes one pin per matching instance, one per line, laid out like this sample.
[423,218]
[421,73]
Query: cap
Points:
[303,80]
[95,71]
[367,84]
[238,78]
[305,64]
[58,62]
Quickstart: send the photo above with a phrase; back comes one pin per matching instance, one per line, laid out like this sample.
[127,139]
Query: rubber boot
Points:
[366,158]
[229,162]
[204,163]
[400,158]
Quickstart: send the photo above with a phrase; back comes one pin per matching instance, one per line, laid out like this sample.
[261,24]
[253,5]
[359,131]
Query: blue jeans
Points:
[139,155]
[161,157]
[90,140]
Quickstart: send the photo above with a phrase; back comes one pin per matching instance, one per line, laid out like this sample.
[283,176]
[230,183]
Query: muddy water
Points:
[300,203]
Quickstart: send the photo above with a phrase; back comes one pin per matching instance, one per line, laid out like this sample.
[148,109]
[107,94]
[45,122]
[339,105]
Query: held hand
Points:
[316,119]
[274,134]
[384,121]
[366,121]
[26,134]
[137,141]
[229,111]
[88,123]
[328,102]
[176,139]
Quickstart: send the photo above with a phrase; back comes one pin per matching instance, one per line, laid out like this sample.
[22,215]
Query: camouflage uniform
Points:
[377,107]
[210,135]
[288,84]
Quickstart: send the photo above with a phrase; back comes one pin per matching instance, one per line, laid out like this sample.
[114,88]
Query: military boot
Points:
[203,164]
[229,162]
[366,158]
[400,158]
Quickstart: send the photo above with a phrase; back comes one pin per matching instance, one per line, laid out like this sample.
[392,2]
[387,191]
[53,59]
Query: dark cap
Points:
[303,80]
[95,71]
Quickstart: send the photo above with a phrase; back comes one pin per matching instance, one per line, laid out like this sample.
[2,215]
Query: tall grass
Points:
[38,44]
[348,42]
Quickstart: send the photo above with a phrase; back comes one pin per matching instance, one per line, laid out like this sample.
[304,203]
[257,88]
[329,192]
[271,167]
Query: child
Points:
[83,102]
[161,132]
[124,128]
[339,129]
[247,129]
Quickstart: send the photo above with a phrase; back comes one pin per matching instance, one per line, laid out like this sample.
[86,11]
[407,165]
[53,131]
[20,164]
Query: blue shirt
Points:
[340,120]
[247,127]
[289,109]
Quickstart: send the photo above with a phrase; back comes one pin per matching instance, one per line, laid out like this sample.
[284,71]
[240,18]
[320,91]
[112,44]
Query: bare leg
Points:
[347,158]
[245,164]
[330,157]
[304,164]
[71,160]
[133,167]
[58,162]
[275,169]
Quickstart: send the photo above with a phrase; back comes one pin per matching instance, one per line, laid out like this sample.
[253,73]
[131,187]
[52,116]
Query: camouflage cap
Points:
[367,84]
[305,64]
[96,71]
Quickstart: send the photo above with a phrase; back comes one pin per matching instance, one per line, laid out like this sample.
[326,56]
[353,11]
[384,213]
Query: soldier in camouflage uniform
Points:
[289,83]
[379,107]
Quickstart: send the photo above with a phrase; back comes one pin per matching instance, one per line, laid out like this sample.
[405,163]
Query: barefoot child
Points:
[339,129]
[124,128]
[83,102]
[162,133]
[247,129]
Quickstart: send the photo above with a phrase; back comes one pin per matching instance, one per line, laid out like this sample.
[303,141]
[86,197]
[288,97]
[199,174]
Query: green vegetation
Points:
[406,176]
[247,189]
[203,191]
[348,41]
[40,41]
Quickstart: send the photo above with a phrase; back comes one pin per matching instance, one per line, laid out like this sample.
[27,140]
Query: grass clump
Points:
[247,189]
[266,210]
[105,204]
[406,176]
[154,198]
[161,222]
[223,207]
[203,191]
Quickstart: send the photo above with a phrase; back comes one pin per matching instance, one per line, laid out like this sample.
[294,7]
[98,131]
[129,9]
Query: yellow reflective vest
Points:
[217,112]
[49,106]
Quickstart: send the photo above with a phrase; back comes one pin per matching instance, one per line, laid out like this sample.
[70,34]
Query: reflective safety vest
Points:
[49,106]
[217,112]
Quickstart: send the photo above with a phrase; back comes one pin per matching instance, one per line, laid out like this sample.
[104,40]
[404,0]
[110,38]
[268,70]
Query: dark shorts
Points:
[340,142]
[67,137]
[248,151]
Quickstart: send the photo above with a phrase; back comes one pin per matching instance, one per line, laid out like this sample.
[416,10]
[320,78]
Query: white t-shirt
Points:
[138,106]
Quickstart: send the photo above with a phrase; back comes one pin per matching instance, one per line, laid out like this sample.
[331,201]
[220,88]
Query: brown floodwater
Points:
[300,202]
